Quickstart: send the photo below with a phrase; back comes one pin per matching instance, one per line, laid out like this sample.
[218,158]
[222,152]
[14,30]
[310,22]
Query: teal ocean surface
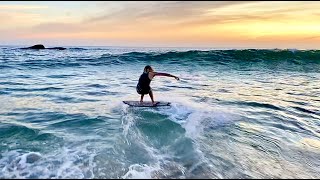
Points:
[233,114]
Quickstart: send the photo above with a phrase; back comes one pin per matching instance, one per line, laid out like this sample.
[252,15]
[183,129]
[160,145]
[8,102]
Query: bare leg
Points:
[141,99]
[151,96]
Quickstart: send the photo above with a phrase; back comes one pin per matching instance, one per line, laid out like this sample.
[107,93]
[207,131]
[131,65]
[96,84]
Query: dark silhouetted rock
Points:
[40,46]
[37,46]
[59,48]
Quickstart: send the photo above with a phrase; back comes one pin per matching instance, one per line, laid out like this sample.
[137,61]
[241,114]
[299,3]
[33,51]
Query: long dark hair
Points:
[147,68]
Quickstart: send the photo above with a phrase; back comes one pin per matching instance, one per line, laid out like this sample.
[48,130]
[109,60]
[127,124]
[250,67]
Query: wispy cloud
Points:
[21,7]
[312,38]
[16,20]
[168,11]
[185,14]
[169,21]
[58,27]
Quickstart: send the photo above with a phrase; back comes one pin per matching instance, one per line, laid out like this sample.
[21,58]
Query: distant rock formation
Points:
[37,46]
[59,48]
[40,46]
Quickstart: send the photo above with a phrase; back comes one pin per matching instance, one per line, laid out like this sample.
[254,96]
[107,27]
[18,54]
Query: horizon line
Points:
[203,47]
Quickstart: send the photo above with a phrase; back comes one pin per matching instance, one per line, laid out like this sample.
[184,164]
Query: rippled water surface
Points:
[234,114]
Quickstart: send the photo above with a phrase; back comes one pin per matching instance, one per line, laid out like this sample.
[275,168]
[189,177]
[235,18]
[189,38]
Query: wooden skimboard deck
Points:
[146,103]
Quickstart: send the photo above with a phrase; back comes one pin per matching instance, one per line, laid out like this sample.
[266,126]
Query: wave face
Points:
[235,113]
[295,60]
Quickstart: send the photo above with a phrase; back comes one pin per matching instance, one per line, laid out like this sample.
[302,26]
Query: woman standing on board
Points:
[143,86]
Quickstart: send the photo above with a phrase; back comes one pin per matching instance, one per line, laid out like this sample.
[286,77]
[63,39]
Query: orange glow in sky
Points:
[217,24]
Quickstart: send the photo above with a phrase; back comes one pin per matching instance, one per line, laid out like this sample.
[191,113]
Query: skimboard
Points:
[146,103]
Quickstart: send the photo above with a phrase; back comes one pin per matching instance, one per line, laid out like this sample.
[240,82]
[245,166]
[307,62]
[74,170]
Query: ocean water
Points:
[234,113]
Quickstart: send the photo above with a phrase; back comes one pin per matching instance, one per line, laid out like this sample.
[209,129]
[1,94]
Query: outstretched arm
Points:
[165,74]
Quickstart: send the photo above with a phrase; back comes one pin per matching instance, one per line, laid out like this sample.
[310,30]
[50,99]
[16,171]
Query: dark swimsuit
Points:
[143,86]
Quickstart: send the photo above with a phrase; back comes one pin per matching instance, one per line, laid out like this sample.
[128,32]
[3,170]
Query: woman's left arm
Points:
[165,74]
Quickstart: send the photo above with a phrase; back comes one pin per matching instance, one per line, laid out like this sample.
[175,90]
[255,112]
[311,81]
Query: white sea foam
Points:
[64,163]
[195,117]
[143,171]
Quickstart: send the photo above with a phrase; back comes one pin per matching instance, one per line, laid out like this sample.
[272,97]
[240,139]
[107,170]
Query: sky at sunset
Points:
[216,24]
